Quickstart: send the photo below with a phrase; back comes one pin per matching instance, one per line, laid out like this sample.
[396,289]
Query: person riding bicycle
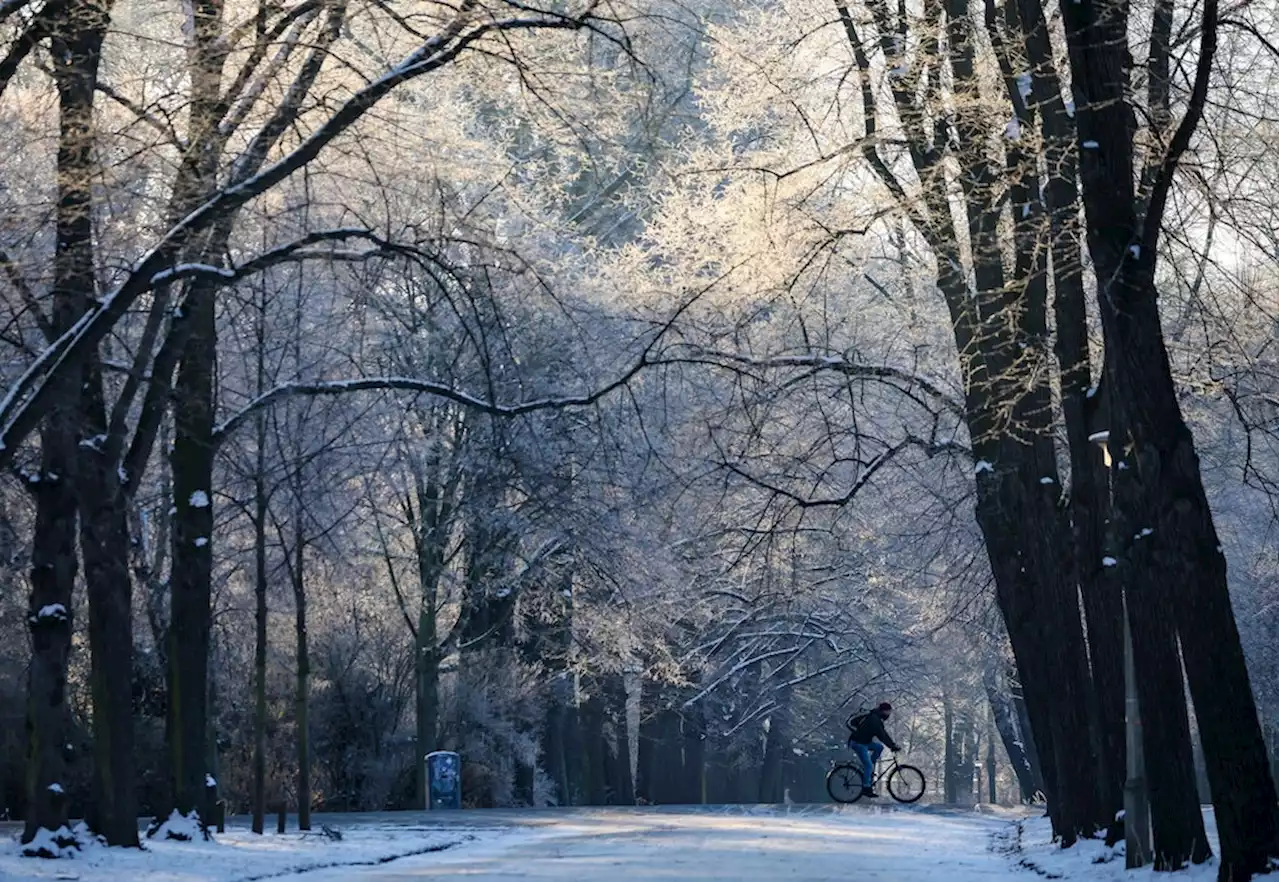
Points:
[865,729]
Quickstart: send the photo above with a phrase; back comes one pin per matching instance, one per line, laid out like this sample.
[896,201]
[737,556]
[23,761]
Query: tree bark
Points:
[1088,502]
[1004,718]
[104,541]
[949,751]
[76,52]
[1169,553]
[992,796]
[302,695]
[260,503]
[49,621]
[190,618]
[999,332]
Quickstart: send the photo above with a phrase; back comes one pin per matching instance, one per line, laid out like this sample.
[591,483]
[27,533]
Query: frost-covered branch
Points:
[28,398]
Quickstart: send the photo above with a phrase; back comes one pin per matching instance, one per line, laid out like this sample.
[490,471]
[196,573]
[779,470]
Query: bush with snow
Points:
[47,843]
[184,828]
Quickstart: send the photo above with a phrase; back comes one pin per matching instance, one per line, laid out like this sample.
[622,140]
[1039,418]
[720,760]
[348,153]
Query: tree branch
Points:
[1182,137]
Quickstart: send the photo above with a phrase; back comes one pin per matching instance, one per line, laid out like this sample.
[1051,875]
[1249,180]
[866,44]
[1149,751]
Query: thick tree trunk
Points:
[49,622]
[104,541]
[190,583]
[1168,549]
[1088,495]
[76,52]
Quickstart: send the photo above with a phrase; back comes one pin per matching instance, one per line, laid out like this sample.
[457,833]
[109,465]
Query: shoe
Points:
[867,791]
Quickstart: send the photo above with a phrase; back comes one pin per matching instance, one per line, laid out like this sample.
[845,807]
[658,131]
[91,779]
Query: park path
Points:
[867,844]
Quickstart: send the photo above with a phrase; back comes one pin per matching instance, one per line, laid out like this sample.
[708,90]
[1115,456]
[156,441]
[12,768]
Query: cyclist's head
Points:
[885,709]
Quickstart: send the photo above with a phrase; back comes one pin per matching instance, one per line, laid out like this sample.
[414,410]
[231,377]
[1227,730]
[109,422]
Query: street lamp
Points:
[1137,812]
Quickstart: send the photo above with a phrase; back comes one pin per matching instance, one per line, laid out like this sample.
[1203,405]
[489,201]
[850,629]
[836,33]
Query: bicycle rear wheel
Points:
[906,783]
[844,782]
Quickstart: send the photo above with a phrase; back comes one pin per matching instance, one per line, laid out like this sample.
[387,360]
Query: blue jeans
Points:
[870,755]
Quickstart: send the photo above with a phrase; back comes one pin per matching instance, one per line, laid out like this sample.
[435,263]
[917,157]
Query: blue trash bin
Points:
[444,780]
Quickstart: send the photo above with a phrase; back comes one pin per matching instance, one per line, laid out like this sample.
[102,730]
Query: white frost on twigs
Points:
[983,466]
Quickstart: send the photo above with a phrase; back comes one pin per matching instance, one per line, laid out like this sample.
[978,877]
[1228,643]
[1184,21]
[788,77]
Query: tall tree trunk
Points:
[553,740]
[1169,553]
[695,754]
[777,743]
[646,742]
[1088,501]
[104,541]
[76,52]
[591,737]
[621,787]
[427,691]
[49,620]
[302,694]
[949,751]
[999,331]
[260,503]
[190,583]
[992,796]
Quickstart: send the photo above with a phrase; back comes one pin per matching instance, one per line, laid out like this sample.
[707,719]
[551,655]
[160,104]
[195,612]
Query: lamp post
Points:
[1137,812]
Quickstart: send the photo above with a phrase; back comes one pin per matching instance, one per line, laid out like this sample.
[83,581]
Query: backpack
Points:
[855,722]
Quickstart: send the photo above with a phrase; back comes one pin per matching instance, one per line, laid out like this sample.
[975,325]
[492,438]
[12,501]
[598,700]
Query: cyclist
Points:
[865,729]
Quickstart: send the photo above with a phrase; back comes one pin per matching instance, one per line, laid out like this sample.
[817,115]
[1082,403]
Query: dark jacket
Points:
[872,726]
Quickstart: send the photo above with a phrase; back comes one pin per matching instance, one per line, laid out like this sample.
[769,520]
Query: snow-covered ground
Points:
[240,856]
[699,844]
[1028,843]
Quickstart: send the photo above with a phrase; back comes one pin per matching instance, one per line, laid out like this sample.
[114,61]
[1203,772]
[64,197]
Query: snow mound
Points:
[48,843]
[184,828]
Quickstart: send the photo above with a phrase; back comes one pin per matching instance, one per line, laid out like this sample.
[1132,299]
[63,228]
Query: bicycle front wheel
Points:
[844,782]
[906,783]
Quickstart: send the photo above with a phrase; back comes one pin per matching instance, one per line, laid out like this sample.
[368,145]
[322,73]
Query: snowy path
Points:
[606,846]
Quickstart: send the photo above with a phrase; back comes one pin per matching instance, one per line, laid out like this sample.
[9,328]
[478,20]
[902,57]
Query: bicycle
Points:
[905,783]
